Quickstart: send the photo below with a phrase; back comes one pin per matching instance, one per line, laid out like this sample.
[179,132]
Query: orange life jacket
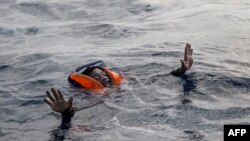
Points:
[90,83]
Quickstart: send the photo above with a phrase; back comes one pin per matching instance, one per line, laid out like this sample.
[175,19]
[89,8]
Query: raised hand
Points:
[57,101]
[187,63]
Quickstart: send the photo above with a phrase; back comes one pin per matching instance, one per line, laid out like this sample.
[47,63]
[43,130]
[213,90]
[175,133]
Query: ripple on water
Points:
[4,32]
[193,105]
[8,33]
[3,67]
[192,86]
[31,31]
[40,10]
[106,31]
[31,58]
[140,9]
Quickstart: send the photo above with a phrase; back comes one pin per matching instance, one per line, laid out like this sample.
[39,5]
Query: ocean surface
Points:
[43,41]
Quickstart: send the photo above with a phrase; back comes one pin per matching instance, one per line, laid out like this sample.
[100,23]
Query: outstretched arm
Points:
[58,104]
[187,63]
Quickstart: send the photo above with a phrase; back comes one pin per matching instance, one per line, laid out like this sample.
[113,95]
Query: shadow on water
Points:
[58,134]
[188,84]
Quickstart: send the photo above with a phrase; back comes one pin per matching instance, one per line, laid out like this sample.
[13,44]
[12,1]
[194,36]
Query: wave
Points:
[40,10]
[17,32]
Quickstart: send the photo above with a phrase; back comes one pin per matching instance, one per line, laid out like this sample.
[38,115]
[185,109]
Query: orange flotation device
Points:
[80,79]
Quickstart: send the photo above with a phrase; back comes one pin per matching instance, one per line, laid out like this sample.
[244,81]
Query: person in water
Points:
[98,78]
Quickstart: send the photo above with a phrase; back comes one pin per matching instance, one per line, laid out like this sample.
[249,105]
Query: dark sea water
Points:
[42,42]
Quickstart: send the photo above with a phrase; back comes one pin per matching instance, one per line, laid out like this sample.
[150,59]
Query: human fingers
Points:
[47,101]
[182,64]
[60,95]
[50,97]
[186,48]
[189,49]
[55,93]
[185,54]
[70,101]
